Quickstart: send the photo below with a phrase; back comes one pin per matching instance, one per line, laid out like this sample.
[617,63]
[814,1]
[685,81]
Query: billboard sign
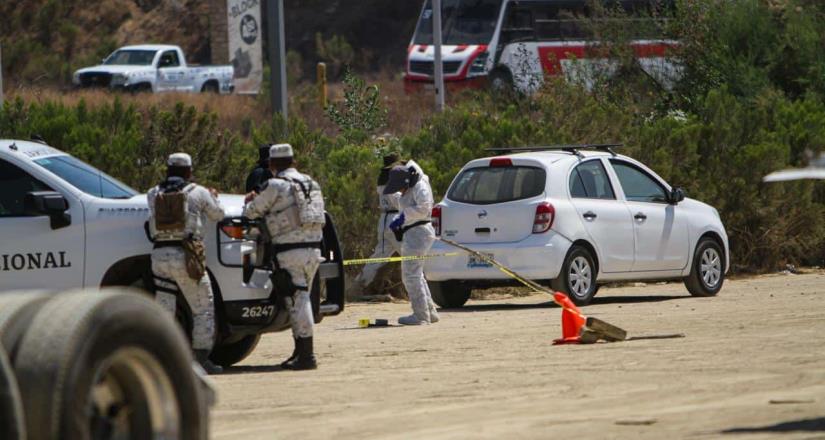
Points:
[245,33]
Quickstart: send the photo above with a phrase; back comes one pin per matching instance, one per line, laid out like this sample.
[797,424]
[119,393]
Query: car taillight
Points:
[501,162]
[437,219]
[233,231]
[545,214]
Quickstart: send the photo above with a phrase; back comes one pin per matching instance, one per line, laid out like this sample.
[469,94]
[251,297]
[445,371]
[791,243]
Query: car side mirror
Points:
[49,203]
[676,195]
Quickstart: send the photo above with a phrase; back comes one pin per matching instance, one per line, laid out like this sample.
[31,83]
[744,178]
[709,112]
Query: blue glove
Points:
[397,222]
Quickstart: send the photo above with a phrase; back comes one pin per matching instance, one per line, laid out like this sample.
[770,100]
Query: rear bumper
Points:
[538,257]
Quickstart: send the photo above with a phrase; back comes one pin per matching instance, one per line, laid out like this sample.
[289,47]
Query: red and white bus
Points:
[517,42]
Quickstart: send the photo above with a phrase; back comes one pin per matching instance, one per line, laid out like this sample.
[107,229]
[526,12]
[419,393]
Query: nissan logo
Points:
[482,214]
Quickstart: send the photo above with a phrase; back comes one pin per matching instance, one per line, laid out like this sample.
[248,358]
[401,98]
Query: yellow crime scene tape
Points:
[507,271]
[359,261]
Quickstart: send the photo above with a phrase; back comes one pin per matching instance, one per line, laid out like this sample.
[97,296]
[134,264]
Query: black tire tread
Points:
[693,282]
[61,334]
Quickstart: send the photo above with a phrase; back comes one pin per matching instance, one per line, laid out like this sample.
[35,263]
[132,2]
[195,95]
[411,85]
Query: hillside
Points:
[43,41]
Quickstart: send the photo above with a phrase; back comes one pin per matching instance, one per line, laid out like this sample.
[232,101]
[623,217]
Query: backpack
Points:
[309,201]
[172,208]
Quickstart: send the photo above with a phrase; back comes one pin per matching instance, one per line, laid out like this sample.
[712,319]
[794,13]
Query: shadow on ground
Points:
[244,369]
[550,304]
[807,425]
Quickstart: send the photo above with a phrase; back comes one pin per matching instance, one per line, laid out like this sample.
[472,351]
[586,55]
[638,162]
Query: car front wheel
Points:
[577,278]
[708,271]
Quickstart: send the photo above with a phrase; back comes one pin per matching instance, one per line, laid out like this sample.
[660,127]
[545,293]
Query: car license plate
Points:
[474,261]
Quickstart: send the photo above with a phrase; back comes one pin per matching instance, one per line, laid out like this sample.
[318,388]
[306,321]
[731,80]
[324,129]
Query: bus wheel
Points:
[501,80]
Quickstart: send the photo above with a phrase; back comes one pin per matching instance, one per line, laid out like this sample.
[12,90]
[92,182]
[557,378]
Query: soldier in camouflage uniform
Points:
[293,207]
[170,267]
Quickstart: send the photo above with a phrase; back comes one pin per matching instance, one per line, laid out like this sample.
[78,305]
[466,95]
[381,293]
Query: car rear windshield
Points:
[487,185]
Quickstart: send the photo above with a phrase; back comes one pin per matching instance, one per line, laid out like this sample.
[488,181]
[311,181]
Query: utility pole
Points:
[1,77]
[438,65]
[277,56]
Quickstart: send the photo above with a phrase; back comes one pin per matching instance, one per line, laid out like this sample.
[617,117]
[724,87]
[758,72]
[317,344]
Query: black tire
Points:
[230,354]
[210,87]
[449,295]
[87,354]
[16,312]
[580,291]
[697,283]
[12,425]
[501,80]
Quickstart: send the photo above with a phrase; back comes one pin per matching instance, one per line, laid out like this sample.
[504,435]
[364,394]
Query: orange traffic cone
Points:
[572,320]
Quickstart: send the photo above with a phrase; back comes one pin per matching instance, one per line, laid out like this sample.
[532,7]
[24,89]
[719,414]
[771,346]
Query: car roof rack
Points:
[570,148]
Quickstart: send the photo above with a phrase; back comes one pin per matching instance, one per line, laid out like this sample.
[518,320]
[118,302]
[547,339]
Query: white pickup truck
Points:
[155,68]
[65,224]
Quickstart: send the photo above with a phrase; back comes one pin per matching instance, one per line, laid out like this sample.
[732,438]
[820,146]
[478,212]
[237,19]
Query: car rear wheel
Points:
[449,295]
[708,271]
[577,278]
[230,354]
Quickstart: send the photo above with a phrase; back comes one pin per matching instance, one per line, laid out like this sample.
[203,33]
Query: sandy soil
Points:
[752,365]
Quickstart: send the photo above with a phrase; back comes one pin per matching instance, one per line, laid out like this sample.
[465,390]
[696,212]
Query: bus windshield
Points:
[463,22]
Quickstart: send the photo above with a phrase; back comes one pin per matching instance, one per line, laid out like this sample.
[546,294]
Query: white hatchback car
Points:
[574,217]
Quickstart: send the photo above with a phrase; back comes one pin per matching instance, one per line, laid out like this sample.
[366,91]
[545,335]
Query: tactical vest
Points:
[171,212]
[306,213]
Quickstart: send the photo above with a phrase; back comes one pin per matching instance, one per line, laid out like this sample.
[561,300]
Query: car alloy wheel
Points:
[711,268]
[580,277]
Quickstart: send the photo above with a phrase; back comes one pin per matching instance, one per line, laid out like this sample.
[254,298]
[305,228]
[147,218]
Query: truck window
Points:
[86,178]
[131,58]
[485,185]
[16,183]
[169,59]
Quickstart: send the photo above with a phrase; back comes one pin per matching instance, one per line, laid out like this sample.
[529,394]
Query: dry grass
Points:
[406,112]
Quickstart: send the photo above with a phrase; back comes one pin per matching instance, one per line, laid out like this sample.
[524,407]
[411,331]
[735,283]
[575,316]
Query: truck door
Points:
[170,72]
[33,253]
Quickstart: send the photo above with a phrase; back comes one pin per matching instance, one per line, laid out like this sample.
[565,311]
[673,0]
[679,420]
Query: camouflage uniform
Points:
[274,203]
[168,263]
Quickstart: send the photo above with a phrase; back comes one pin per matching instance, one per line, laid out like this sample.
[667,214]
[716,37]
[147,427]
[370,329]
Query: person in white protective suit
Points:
[293,207]
[178,209]
[387,245]
[414,229]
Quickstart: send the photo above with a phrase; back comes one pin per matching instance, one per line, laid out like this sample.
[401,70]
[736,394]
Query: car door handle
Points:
[640,216]
[589,215]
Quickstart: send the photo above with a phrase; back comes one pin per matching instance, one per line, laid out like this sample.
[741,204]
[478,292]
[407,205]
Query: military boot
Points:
[291,357]
[202,356]
[305,360]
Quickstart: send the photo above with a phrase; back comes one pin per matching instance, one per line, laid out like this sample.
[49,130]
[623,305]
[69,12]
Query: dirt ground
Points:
[751,366]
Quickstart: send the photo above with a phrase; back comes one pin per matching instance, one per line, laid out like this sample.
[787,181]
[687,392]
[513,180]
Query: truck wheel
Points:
[449,295]
[577,278]
[16,312]
[230,354]
[108,364]
[707,273]
[12,426]
[210,87]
